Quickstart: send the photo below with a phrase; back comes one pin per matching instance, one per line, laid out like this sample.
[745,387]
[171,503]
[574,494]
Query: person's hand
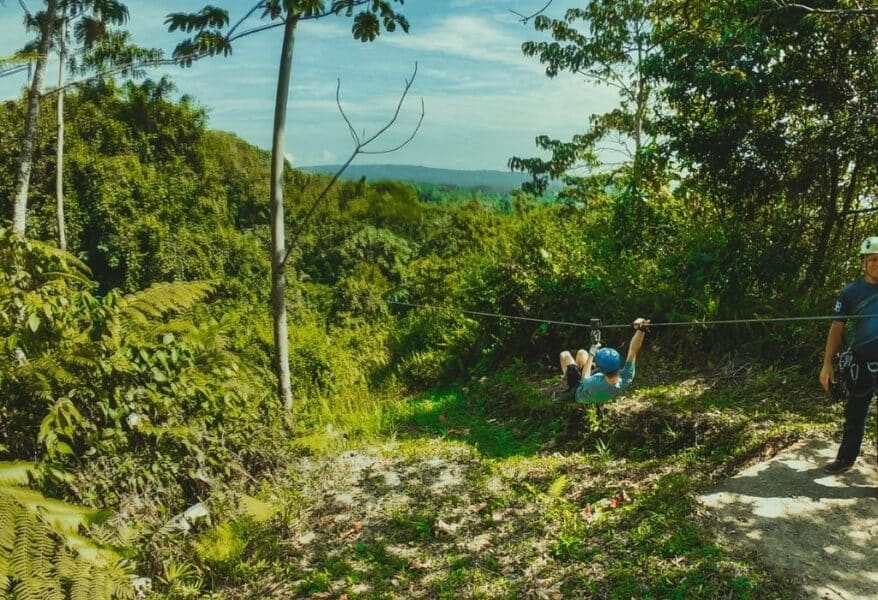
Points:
[826,377]
[594,349]
[641,324]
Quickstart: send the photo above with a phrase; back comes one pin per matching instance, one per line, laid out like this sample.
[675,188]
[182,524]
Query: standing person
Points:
[613,378]
[860,368]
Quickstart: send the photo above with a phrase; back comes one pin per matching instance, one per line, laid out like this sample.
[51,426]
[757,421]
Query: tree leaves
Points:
[365,27]
[208,17]
[209,22]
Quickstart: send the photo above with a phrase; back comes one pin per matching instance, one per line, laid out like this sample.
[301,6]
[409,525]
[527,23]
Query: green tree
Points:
[46,23]
[605,43]
[773,120]
[213,36]
[101,49]
[89,20]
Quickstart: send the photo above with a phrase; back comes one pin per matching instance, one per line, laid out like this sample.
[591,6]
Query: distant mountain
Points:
[489,181]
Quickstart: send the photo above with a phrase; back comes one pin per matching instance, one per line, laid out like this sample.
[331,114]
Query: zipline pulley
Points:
[595,325]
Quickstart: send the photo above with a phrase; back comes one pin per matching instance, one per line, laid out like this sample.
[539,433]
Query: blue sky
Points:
[484,101]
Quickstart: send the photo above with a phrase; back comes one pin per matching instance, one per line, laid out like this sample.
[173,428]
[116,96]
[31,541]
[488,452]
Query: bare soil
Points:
[820,530]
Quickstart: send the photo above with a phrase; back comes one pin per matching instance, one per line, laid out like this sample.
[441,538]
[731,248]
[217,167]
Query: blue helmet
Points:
[608,360]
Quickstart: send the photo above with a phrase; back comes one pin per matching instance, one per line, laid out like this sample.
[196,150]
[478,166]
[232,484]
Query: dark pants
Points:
[863,384]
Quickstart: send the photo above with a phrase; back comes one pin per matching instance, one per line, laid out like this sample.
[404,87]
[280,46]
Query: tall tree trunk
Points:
[278,239]
[59,149]
[639,104]
[815,272]
[28,143]
[847,204]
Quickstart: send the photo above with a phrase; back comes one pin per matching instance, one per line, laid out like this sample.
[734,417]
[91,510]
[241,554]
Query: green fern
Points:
[41,553]
[160,299]
[222,545]
[559,487]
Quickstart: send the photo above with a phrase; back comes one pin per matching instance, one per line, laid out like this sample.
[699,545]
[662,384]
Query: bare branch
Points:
[837,12]
[410,138]
[358,149]
[525,19]
[13,70]
[405,91]
[623,151]
[351,129]
[256,7]
[605,80]
[231,38]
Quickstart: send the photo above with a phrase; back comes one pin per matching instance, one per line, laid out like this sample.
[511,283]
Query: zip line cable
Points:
[619,326]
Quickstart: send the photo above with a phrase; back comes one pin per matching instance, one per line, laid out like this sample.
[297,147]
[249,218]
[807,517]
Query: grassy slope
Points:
[494,491]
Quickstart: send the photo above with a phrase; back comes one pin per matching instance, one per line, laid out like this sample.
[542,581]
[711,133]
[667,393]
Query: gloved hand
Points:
[641,324]
[594,348]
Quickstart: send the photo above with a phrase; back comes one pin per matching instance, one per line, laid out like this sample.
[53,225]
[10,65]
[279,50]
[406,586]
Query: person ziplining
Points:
[613,377]
[856,382]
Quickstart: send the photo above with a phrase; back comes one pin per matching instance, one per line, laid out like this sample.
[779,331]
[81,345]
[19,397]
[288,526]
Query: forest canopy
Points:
[137,370]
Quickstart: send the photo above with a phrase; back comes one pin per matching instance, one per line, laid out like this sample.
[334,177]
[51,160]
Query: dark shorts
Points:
[573,375]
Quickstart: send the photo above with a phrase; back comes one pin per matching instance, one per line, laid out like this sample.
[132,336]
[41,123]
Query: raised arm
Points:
[640,325]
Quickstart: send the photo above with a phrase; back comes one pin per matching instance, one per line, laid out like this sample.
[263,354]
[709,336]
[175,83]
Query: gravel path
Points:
[818,529]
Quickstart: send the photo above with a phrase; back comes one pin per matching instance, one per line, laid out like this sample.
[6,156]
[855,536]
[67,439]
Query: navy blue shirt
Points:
[860,298]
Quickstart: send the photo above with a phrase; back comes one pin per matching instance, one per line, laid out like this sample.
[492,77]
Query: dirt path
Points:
[819,529]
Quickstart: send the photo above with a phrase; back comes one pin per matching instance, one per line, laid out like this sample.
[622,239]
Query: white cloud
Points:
[470,37]
[326,28]
[485,101]
[471,130]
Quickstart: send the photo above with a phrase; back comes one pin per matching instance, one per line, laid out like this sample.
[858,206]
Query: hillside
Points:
[486,180]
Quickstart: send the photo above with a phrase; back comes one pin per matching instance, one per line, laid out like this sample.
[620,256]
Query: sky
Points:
[484,101]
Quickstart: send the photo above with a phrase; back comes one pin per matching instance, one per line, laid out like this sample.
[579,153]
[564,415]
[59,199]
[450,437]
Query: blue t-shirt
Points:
[596,390]
[860,298]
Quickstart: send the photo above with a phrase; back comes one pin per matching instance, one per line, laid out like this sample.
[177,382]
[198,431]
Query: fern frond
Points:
[82,585]
[17,472]
[256,509]
[80,278]
[40,559]
[65,564]
[216,359]
[559,487]
[101,556]
[58,374]
[159,299]
[65,257]
[62,516]
[118,580]
[83,361]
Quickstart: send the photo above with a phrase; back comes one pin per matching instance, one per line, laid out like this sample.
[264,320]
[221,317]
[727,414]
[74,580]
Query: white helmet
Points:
[869,246]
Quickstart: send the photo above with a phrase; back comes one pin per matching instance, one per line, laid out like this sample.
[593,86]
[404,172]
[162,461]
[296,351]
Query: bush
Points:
[92,379]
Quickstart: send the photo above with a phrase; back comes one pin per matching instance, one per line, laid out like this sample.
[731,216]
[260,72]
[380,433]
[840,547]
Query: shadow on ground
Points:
[818,529]
[527,421]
